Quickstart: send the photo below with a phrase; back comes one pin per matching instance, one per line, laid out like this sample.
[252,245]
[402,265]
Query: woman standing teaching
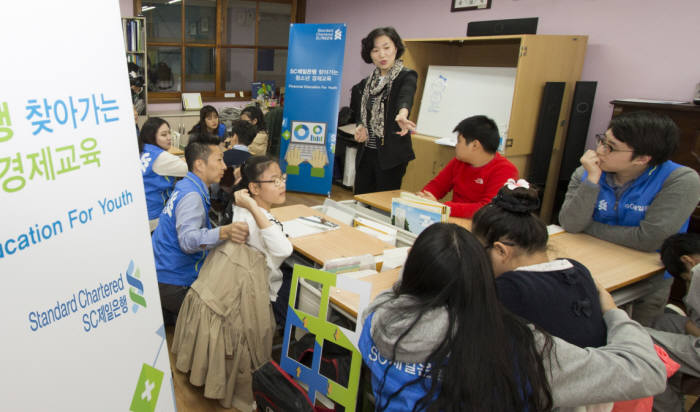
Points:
[381,104]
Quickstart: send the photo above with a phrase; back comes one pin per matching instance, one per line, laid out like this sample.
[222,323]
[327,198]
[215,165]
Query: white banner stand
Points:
[82,324]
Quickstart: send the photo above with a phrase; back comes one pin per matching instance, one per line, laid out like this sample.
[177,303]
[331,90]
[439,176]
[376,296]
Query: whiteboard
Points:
[453,93]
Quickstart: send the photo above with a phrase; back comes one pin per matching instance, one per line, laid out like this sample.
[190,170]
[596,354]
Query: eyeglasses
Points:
[278,182]
[606,148]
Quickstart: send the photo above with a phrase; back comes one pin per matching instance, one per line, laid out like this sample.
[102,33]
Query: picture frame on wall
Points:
[463,5]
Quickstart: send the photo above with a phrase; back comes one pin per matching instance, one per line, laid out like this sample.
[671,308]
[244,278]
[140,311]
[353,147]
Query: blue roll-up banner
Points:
[312,95]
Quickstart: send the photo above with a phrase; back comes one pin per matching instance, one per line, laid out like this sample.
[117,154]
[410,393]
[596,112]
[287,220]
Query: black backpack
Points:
[275,391]
[335,364]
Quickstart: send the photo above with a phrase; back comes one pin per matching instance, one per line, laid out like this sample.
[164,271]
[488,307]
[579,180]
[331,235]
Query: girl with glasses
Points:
[262,186]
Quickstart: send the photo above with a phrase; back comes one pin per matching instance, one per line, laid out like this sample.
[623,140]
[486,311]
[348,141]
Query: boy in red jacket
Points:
[476,173]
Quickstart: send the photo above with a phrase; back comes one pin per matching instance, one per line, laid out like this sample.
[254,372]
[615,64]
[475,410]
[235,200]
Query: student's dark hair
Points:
[254,112]
[251,170]
[199,147]
[149,130]
[245,131]
[480,128]
[509,217]
[488,359]
[676,246]
[646,133]
[368,42]
[201,127]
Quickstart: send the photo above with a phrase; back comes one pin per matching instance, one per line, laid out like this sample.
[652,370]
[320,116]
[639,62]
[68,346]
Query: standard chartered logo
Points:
[136,286]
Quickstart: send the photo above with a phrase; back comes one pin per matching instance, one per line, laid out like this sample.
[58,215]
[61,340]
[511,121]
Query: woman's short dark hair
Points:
[254,112]
[647,133]
[368,42]
[149,130]
[510,217]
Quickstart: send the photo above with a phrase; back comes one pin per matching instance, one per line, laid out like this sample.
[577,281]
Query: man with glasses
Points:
[184,234]
[628,192]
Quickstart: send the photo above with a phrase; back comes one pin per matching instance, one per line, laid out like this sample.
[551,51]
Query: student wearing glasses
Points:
[263,185]
[628,192]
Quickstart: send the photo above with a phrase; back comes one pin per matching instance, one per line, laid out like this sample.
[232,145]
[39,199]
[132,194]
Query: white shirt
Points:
[271,241]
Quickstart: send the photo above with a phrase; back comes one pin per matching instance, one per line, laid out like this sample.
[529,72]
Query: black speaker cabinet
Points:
[576,133]
[499,27]
[547,123]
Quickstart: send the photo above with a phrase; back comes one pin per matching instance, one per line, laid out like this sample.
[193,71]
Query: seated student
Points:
[680,335]
[184,234]
[263,185]
[159,168]
[254,116]
[208,123]
[440,340]
[628,192]
[560,296]
[242,135]
[476,173]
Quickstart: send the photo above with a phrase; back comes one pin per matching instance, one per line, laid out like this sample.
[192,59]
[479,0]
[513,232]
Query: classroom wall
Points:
[636,48]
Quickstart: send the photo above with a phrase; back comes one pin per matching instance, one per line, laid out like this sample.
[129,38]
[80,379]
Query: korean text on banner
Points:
[82,324]
[312,95]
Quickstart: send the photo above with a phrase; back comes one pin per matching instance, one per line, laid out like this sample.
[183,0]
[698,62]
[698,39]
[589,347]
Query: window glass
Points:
[274,23]
[164,69]
[239,17]
[163,20]
[237,68]
[272,65]
[200,66]
[200,21]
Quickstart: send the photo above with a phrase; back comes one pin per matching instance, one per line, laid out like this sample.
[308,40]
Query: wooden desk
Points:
[177,152]
[382,201]
[322,247]
[614,266]
[381,281]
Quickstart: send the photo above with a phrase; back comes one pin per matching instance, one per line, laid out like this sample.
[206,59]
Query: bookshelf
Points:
[134,31]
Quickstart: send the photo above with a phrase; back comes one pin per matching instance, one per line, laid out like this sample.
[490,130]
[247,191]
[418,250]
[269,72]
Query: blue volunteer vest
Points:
[631,208]
[157,187]
[173,266]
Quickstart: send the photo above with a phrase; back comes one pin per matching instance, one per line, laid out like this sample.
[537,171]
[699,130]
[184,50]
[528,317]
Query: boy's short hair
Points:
[480,128]
[198,148]
[676,246]
[245,131]
[647,133]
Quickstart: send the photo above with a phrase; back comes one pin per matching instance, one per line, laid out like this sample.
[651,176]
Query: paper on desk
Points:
[385,233]
[554,229]
[394,258]
[337,213]
[360,273]
[348,128]
[447,141]
[298,228]
[653,101]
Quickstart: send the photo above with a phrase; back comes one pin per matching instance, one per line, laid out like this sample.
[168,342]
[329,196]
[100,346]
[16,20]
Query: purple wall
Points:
[635,47]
